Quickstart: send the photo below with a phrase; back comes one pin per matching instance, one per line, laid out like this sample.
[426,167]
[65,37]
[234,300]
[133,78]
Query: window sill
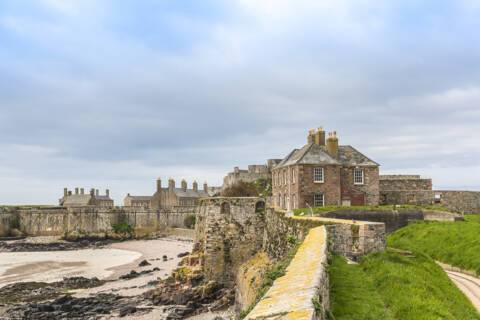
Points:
[318,181]
[358,184]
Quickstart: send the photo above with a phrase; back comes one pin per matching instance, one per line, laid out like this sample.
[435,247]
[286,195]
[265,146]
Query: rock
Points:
[144,263]
[183,254]
[127,310]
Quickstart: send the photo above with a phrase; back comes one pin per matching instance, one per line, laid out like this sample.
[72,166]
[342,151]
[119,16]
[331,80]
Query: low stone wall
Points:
[89,221]
[346,237]
[305,282]
[458,201]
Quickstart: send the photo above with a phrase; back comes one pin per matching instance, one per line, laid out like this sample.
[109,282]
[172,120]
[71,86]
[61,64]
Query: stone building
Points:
[81,199]
[174,197]
[322,173]
[253,173]
[137,201]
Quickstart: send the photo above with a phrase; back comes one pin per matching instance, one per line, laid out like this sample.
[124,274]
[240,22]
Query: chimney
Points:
[70,192]
[107,192]
[82,191]
[159,184]
[195,186]
[320,137]
[76,190]
[65,192]
[332,144]
[205,187]
[184,185]
[97,193]
[171,184]
[311,136]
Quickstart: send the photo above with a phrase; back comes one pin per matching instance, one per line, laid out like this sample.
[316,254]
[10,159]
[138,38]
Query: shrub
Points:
[189,221]
[241,189]
[123,228]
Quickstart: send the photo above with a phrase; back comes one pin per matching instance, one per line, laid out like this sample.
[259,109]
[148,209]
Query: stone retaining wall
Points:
[89,221]
[303,292]
[346,237]
[459,201]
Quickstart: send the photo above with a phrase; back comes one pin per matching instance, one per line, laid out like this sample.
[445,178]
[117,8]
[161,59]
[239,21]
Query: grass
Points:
[325,209]
[454,243]
[390,285]
[353,294]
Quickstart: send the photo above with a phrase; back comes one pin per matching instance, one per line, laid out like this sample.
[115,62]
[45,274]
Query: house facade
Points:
[137,201]
[81,199]
[177,197]
[323,173]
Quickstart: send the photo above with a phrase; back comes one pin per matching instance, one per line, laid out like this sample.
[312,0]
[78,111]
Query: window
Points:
[285,177]
[318,200]
[318,175]
[357,176]
[284,201]
[293,175]
[294,201]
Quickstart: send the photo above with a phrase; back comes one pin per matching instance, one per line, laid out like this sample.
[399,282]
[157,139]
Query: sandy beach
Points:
[107,263]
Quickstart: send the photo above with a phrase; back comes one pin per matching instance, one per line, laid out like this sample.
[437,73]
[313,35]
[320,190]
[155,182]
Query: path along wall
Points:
[89,221]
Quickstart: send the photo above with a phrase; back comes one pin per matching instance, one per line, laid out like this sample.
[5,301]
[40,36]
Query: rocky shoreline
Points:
[176,297]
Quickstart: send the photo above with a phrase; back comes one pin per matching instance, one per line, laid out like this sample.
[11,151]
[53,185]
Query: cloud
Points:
[118,93]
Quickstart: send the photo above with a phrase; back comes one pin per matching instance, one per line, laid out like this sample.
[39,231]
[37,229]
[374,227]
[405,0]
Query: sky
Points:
[114,94]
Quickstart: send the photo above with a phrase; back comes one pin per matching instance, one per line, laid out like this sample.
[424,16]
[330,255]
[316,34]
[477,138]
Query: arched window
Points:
[260,206]
[225,209]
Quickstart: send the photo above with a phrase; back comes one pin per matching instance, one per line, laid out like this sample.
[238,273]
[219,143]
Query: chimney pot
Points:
[159,184]
[205,187]
[107,192]
[195,186]
[97,193]
[332,144]
[65,192]
[82,191]
[76,190]
[184,185]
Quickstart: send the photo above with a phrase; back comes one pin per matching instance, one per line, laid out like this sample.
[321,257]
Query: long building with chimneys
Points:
[82,199]
[177,197]
[322,173]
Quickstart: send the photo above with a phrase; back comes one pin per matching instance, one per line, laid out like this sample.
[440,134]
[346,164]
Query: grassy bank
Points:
[320,210]
[456,243]
[394,286]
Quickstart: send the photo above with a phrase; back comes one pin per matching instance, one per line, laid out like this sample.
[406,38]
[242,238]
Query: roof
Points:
[77,200]
[314,154]
[190,193]
[140,198]
[103,198]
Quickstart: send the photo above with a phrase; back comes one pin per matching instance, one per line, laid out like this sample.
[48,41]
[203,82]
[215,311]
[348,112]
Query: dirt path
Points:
[467,283]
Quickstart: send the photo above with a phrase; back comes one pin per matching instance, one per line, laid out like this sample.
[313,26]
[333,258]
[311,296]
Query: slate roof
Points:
[314,154]
[103,198]
[140,198]
[190,193]
[77,200]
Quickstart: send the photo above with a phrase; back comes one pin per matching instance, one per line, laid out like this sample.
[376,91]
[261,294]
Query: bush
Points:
[189,221]
[123,228]
[241,189]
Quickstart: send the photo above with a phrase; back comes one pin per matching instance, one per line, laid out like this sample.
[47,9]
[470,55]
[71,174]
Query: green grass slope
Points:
[455,243]
[394,286]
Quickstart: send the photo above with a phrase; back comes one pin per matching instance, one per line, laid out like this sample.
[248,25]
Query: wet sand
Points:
[104,263]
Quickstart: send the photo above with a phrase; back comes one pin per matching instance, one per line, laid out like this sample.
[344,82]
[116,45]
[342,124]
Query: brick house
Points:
[323,173]
[174,197]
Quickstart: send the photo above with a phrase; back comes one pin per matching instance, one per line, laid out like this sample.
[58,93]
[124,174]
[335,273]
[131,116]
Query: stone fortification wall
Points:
[459,201]
[346,237]
[228,232]
[90,221]
[292,296]
[404,182]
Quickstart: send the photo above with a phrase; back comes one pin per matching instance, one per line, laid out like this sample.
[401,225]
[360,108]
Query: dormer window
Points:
[318,175]
[358,176]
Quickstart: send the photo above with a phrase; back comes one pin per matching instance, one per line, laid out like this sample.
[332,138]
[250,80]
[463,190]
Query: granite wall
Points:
[89,221]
